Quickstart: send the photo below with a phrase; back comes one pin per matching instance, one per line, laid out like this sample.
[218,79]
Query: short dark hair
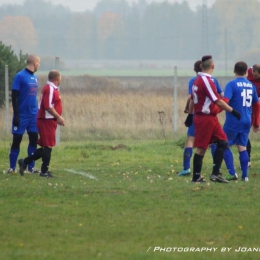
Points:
[206,62]
[206,57]
[197,67]
[240,68]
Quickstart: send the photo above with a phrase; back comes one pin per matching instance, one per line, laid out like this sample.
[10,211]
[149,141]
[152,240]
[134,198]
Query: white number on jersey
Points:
[195,96]
[247,97]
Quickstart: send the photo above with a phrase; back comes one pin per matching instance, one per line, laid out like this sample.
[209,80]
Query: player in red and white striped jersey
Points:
[206,104]
[49,116]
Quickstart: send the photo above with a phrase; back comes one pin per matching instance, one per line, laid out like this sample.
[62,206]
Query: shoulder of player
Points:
[214,79]
[207,79]
[50,88]
[25,75]
[21,73]
[191,81]
[240,82]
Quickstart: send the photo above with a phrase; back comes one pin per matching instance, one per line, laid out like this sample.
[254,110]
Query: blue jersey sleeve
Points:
[16,85]
[219,89]
[191,81]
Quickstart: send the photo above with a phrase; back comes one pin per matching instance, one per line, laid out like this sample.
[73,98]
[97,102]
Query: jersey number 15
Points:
[247,97]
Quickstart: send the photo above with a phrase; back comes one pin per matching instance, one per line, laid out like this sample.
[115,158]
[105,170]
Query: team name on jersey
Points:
[244,84]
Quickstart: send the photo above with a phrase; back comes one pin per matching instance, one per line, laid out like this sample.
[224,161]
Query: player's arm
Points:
[224,106]
[226,100]
[186,110]
[189,120]
[15,104]
[256,116]
[191,106]
[54,113]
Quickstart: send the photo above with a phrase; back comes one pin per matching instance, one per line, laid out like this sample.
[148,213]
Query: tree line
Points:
[117,30]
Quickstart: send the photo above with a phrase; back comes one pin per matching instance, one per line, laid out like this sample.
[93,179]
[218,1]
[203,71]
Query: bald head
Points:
[256,71]
[33,62]
[54,76]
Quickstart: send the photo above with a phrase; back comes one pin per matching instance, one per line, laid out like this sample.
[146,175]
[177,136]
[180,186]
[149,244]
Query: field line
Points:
[88,175]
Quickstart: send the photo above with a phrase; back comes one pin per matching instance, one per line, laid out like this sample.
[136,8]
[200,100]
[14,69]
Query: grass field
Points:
[122,200]
[115,194]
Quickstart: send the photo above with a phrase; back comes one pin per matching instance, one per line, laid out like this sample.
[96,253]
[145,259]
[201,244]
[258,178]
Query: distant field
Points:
[108,108]
[134,72]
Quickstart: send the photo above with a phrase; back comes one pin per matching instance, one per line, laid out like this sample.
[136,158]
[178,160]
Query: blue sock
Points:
[244,158]
[213,149]
[186,157]
[229,160]
[30,151]
[13,156]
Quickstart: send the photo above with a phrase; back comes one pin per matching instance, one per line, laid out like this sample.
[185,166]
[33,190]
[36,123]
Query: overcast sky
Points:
[82,5]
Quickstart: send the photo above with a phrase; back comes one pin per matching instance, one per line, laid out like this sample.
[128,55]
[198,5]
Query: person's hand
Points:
[256,129]
[16,120]
[186,110]
[189,120]
[236,114]
[60,121]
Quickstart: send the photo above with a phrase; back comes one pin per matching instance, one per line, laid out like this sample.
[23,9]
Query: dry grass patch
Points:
[99,108]
[128,115]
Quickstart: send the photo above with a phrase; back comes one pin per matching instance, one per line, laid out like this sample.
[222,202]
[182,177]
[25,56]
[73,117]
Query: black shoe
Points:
[46,174]
[33,170]
[199,180]
[22,166]
[218,178]
[10,171]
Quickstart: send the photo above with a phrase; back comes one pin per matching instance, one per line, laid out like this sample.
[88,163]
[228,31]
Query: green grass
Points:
[122,203]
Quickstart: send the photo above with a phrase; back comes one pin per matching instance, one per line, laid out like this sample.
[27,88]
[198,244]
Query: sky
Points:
[83,5]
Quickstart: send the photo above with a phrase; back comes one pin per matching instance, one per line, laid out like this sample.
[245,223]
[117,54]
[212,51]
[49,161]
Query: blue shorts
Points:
[191,130]
[28,123]
[236,138]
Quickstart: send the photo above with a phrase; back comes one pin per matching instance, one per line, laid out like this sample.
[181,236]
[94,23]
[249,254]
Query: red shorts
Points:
[47,130]
[207,130]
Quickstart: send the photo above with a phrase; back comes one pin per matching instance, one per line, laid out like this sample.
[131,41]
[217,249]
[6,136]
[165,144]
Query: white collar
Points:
[52,84]
[204,74]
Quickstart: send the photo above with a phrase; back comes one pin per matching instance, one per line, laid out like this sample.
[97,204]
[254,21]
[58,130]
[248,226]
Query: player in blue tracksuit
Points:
[25,109]
[240,94]
[188,150]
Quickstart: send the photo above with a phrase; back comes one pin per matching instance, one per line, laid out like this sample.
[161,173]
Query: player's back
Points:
[204,95]
[241,94]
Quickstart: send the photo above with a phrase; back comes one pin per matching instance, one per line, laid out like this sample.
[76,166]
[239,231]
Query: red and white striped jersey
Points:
[204,95]
[50,98]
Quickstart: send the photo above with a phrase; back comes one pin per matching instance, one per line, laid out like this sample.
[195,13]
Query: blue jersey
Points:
[241,94]
[27,84]
[191,81]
